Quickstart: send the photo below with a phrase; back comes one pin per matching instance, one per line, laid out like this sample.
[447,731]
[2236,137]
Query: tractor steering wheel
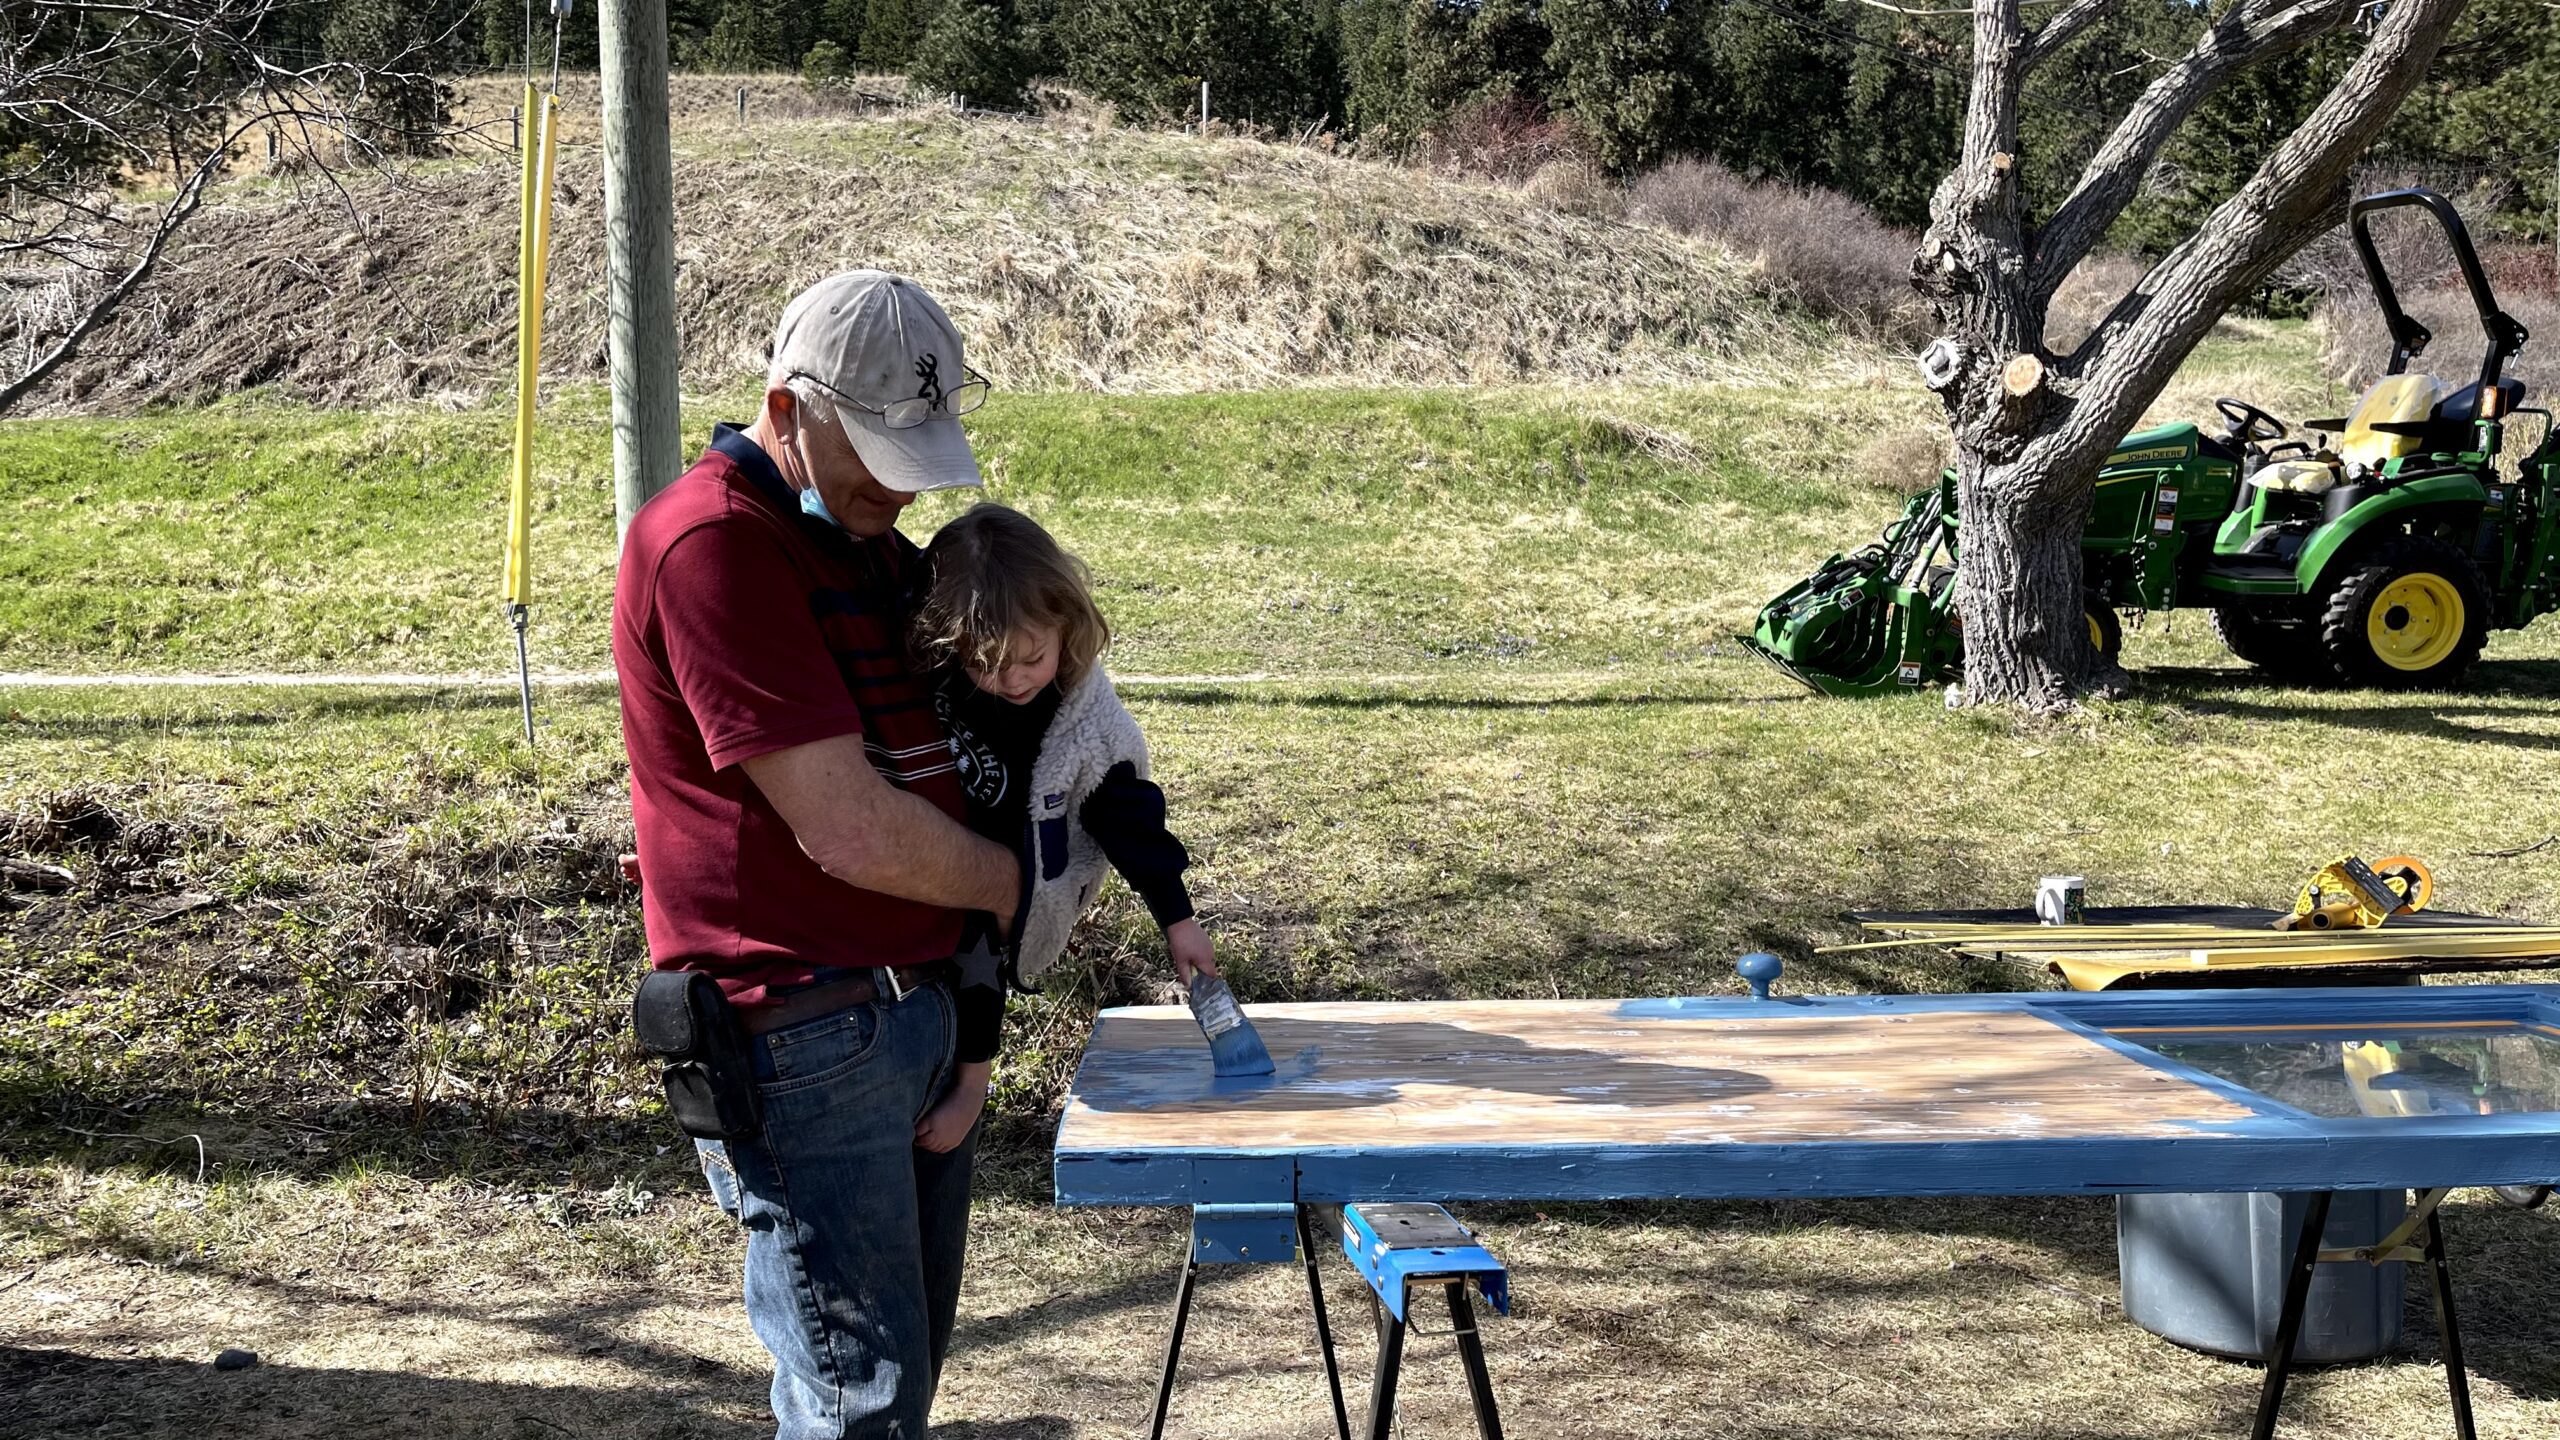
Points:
[2248,422]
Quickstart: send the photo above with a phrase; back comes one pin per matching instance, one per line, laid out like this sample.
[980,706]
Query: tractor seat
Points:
[2299,477]
[2379,430]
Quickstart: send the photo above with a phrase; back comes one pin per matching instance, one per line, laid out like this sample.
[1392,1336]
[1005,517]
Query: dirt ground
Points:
[391,1305]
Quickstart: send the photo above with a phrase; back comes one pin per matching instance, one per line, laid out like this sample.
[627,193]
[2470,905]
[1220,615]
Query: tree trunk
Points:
[2018,588]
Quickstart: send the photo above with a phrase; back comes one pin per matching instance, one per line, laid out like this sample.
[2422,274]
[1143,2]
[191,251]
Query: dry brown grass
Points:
[2358,345]
[387,1306]
[1072,257]
[1819,248]
[2087,294]
[1904,459]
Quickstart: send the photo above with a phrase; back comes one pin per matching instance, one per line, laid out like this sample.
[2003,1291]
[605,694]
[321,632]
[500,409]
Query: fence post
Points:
[742,104]
[640,252]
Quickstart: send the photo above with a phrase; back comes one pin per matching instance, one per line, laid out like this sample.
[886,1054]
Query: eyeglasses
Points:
[915,410]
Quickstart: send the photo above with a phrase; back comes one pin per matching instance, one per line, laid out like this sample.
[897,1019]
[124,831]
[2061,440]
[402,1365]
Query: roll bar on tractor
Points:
[2408,337]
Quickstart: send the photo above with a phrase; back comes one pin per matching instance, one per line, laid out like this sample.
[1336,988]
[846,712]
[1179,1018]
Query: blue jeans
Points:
[854,1236]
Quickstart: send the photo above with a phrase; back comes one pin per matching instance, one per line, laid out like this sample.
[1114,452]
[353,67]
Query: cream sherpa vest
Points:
[1091,732]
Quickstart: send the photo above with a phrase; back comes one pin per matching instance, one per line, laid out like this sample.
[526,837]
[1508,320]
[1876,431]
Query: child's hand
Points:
[947,1123]
[1190,946]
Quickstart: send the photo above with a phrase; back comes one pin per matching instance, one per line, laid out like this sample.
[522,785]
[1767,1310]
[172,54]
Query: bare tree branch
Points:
[190,195]
[2296,193]
[2249,32]
[98,97]
[2059,31]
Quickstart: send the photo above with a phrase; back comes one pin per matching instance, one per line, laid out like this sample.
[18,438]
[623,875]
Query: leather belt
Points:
[892,983]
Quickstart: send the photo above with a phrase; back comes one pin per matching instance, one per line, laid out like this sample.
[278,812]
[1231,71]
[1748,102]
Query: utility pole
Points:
[640,253]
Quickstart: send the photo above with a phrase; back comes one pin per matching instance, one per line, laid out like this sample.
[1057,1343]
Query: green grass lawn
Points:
[370,952]
[1292,532]
[1303,530]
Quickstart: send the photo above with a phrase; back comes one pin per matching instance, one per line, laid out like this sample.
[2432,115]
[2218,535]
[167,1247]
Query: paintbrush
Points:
[1234,1048]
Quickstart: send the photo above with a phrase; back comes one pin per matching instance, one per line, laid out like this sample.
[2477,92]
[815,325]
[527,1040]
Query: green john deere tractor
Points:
[2381,552]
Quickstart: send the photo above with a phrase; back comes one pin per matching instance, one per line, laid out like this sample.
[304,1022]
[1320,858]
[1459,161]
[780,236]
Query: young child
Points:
[1053,765]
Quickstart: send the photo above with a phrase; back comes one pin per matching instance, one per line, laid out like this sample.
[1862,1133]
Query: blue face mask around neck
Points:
[812,504]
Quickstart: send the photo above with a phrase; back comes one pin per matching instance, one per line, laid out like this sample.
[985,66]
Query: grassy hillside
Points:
[1072,256]
[1284,530]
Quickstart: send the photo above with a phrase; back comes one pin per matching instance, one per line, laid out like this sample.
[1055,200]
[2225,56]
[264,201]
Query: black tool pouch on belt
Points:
[683,1019]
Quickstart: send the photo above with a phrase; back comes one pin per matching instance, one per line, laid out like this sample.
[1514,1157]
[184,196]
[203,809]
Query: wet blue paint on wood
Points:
[2261,1145]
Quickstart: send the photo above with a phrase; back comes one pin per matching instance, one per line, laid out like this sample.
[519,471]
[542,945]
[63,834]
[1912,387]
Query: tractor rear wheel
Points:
[2413,613]
[2287,650]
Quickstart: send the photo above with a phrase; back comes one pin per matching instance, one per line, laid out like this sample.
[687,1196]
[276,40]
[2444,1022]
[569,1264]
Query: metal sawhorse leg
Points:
[1404,1249]
[1249,1235]
[1391,1336]
[2308,1255]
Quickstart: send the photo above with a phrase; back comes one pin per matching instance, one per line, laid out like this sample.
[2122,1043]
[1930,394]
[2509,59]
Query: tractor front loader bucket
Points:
[1868,622]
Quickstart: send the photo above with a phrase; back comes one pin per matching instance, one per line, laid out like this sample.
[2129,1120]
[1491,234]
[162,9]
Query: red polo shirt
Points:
[742,627]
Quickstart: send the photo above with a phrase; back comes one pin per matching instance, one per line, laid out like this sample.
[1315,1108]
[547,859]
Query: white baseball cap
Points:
[889,356]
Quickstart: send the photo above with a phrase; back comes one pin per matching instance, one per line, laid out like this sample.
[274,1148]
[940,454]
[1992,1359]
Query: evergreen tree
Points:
[1628,71]
[890,30]
[1901,104]
[1770,77]
[746,37]
[1370,36]
[840,23]
[2493,114]
[826,62]
[1266,60]
[969,51]
[404,112]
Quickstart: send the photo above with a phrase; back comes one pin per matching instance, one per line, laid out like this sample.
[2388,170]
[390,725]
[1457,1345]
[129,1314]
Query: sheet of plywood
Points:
[1379,1077]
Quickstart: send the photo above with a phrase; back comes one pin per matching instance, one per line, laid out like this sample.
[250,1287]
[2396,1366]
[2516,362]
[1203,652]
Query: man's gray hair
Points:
[816,401]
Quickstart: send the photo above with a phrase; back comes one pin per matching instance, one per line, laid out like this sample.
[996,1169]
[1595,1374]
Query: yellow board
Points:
[2099,969]
[533,259]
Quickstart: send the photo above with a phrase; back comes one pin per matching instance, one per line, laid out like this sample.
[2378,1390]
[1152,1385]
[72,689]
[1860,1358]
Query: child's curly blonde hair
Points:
[996,572]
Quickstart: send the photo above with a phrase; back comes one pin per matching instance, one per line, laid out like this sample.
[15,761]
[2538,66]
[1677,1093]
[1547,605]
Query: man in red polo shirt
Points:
[799,825]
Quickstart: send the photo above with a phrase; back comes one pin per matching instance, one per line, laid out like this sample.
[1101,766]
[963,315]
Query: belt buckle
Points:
[889,982]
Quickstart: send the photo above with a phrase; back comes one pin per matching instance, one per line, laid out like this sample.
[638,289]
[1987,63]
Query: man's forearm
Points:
[912,850]
[866,832]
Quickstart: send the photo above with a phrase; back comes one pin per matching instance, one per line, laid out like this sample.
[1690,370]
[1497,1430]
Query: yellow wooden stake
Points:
[533,261]
[533,254]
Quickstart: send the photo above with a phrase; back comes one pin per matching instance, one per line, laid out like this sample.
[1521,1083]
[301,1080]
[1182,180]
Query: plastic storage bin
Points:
[2207,1272]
